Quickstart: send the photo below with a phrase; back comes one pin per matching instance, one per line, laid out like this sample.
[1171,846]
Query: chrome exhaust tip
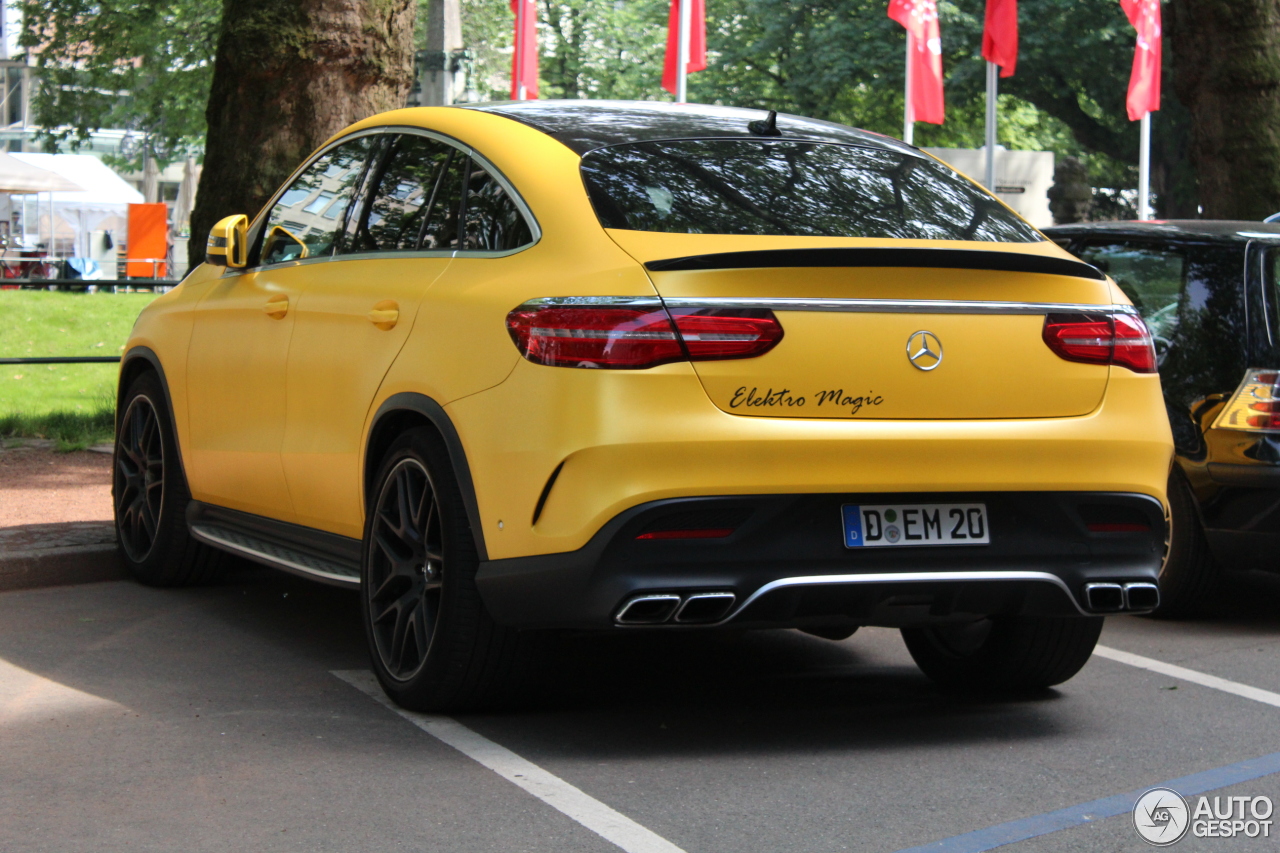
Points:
[1104,597]
[1141,596]
[704,607]
[647,610]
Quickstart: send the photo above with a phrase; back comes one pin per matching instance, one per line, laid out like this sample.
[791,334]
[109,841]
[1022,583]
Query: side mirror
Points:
[229,242]
[283,245]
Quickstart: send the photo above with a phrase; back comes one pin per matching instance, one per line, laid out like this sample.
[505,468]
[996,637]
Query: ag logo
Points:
[1161,817]
[924,350]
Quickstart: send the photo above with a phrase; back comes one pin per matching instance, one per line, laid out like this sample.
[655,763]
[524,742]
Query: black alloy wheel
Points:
[405,570]
[139,478]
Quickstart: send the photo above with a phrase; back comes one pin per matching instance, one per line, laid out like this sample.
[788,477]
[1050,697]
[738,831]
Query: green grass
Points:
[71,403]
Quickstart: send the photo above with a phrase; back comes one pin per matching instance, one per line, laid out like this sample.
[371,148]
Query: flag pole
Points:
[682,51]
[1144,169]
[908,114]
[993,92]
[520,49]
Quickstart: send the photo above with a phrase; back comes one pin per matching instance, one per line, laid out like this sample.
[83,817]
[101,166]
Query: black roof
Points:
[1215,230]
[586,125]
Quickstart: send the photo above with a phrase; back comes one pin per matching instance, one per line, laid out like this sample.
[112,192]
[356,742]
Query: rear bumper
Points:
[785,564]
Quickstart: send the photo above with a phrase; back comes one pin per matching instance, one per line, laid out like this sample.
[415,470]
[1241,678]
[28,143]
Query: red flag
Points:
[697,42]
[920,17]
[1144,81]
[524,60]
[1000,36]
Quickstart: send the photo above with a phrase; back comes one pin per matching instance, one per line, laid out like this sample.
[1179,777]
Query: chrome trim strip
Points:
[209,535]
[648,302]
[852,306]
[904,306]
[906,577]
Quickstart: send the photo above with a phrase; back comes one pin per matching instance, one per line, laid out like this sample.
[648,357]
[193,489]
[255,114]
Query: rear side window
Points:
[308,217]
[751,186]
[493,222]
[406,193]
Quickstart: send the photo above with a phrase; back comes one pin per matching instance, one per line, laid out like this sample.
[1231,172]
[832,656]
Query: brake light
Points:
[1119,339]
[635,336]
[1255,407]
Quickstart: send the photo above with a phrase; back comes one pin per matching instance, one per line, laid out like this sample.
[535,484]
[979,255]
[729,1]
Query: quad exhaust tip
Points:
[699,608]
[1119,598]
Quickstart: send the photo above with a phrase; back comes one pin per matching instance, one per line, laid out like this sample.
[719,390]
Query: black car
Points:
[1208,291]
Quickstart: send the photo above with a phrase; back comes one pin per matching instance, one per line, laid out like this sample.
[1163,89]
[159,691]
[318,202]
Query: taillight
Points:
[637,333]
[1255,407]
[1120,339]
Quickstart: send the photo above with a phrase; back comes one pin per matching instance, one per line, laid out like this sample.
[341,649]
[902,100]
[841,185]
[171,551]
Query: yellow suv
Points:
[642,366]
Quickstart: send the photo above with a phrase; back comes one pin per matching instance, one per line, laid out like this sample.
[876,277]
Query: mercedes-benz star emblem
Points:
[924,350]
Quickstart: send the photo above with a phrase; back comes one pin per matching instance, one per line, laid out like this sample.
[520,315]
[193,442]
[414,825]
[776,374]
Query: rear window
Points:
[803,189]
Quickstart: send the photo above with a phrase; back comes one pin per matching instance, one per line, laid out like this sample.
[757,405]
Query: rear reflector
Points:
[1255,407]
[1119,339]
[635,337]
[704,533]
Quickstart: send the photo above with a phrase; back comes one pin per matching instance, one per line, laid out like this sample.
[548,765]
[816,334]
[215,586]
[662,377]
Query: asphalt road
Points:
[135,719]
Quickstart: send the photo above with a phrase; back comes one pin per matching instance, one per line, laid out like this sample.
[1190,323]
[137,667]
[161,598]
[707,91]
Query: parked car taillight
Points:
[1255,407]
[1120,339]
[633,337]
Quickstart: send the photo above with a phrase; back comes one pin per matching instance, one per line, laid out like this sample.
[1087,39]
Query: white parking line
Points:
[610,825]
[1256,694]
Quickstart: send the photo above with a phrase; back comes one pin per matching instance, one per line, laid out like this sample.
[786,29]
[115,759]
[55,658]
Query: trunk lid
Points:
[885,329]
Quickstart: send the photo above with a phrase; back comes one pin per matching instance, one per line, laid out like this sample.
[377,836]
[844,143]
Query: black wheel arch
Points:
[408,410]
[133,364]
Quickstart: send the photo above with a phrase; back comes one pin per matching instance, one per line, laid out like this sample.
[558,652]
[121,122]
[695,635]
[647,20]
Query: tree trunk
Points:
[1227,62]
[288,75]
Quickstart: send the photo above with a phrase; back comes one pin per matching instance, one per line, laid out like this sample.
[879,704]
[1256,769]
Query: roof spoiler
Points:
[955,259]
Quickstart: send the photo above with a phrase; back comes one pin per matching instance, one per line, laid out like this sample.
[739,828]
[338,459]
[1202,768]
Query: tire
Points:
[433,645]
[1190,578]
[149,494]
[1004,653]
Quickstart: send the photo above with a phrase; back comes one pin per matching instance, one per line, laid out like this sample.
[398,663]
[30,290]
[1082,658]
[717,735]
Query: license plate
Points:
[891,525]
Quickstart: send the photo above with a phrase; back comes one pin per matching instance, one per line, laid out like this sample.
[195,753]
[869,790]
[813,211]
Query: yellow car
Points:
[641,366]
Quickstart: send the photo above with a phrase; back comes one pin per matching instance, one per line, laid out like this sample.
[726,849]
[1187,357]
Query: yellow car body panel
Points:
[652,435]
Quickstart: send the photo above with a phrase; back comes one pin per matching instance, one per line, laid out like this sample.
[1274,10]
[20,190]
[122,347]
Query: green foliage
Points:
[71,430]
[40,323]
[842,60]
[145,65]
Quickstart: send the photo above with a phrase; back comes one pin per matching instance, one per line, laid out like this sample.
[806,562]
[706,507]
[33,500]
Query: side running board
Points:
[304,551]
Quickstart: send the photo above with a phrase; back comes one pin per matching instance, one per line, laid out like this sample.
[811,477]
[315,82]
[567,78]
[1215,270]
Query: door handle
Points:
[277,307]
[385,315]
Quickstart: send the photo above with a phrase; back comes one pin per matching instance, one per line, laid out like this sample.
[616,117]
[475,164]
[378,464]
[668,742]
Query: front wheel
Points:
[433,645]
[1004,653]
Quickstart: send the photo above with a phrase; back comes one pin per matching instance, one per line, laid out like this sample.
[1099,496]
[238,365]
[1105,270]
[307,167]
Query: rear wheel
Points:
[1189,578]
[150,496]
[1004,653]
[433,644]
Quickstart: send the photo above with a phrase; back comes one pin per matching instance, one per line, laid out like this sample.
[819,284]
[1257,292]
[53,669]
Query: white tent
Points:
[103,203]
[19,177]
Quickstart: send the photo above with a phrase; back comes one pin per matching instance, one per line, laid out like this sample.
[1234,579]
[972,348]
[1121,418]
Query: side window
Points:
[493,222]
[1151,276]
[404,188]
[308,217]
[1192,297]
[441,230]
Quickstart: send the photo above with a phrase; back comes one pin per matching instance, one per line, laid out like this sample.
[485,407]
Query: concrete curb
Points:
[76,564]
